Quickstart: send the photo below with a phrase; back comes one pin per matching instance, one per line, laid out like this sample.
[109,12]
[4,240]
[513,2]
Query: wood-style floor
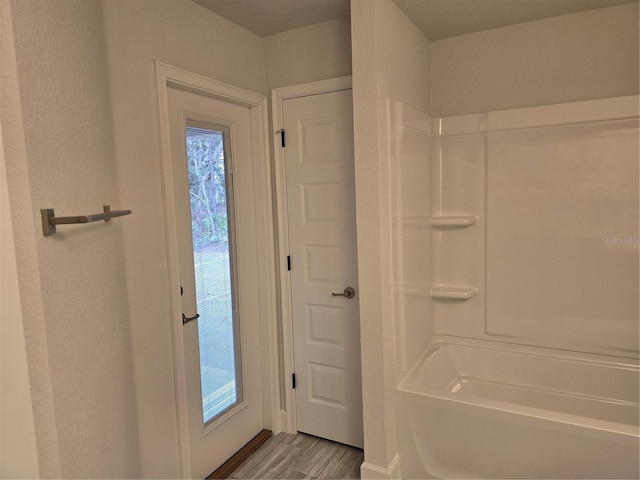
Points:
[301,456]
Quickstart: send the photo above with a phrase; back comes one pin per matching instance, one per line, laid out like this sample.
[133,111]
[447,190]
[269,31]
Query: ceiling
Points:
[266,17]
[437,19]
[440,19]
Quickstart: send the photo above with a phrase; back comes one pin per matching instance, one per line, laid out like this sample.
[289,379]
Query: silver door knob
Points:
[348,293]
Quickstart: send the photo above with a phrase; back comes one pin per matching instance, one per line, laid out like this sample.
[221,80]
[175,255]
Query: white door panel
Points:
[219,278]
[322,238]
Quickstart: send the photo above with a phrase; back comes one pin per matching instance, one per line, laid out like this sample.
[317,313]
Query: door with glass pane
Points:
[212,178]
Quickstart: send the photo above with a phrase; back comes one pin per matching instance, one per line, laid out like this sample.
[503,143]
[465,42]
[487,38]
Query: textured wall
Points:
[24,228]
[390,60]
[403,59]
[183,34]
[70,165]
[308,54]
[583,56]
[18,453]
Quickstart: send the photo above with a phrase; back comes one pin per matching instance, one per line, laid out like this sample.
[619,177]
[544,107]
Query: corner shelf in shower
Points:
[454,293]
[450,221]
[416,221]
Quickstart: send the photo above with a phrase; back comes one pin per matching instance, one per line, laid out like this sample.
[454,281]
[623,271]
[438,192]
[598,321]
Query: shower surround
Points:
[515,247]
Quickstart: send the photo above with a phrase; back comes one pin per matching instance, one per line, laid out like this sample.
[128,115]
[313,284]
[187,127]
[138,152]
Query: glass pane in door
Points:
[210,192]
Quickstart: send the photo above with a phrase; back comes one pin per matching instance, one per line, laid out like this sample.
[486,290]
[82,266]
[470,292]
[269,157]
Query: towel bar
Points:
[49,219]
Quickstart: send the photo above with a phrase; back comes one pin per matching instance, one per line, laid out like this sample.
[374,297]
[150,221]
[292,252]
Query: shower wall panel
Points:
[458,246]
[518,226]
[410,173]
[562,235]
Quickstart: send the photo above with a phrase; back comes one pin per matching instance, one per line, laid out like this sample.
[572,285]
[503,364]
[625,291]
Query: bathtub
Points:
[482,409]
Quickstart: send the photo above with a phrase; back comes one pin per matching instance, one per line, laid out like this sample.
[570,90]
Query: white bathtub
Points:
[480,409]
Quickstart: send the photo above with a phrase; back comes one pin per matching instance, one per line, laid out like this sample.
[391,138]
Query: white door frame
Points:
[168,76]
[287,419]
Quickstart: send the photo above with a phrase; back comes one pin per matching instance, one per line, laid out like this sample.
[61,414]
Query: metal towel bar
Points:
[49,219]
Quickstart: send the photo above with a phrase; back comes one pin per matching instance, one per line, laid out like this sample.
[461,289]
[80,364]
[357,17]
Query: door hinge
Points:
[288,263]
[293,380]
[282,141]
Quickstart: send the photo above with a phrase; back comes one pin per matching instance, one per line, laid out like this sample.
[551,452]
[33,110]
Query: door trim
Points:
[168,76]
[287,415]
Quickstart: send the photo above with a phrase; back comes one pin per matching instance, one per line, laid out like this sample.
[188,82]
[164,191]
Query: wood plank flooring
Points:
[300,456]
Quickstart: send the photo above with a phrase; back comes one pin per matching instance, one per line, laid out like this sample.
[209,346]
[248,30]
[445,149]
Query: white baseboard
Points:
[374,472]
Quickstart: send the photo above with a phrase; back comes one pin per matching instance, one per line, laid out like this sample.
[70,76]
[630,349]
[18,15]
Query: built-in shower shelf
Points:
[416,222]
[456,293]
[453,220]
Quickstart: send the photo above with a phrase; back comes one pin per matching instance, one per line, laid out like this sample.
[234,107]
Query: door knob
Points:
[186,319]
[348,293]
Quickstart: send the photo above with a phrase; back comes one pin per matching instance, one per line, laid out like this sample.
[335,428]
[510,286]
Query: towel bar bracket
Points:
[48,228]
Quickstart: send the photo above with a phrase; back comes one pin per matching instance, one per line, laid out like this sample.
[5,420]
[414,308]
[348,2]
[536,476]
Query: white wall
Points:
[74,281]
[316,52]
[583,56]
[18,452]
[23,227]
[390,60]
[186,35]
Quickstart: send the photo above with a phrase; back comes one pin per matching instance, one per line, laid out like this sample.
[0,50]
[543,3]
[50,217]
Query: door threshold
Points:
[228,467]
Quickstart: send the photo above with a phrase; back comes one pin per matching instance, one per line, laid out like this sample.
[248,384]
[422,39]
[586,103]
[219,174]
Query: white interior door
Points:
[322,241]
[215,214]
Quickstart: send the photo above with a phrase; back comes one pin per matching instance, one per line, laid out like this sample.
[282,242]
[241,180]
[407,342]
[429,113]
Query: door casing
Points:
[287,415]
[169,76]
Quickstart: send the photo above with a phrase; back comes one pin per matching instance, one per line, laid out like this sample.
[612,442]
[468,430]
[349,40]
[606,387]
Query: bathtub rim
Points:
[410,384]
[439,342]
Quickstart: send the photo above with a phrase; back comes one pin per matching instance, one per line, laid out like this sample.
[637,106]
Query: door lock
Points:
[348,293]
